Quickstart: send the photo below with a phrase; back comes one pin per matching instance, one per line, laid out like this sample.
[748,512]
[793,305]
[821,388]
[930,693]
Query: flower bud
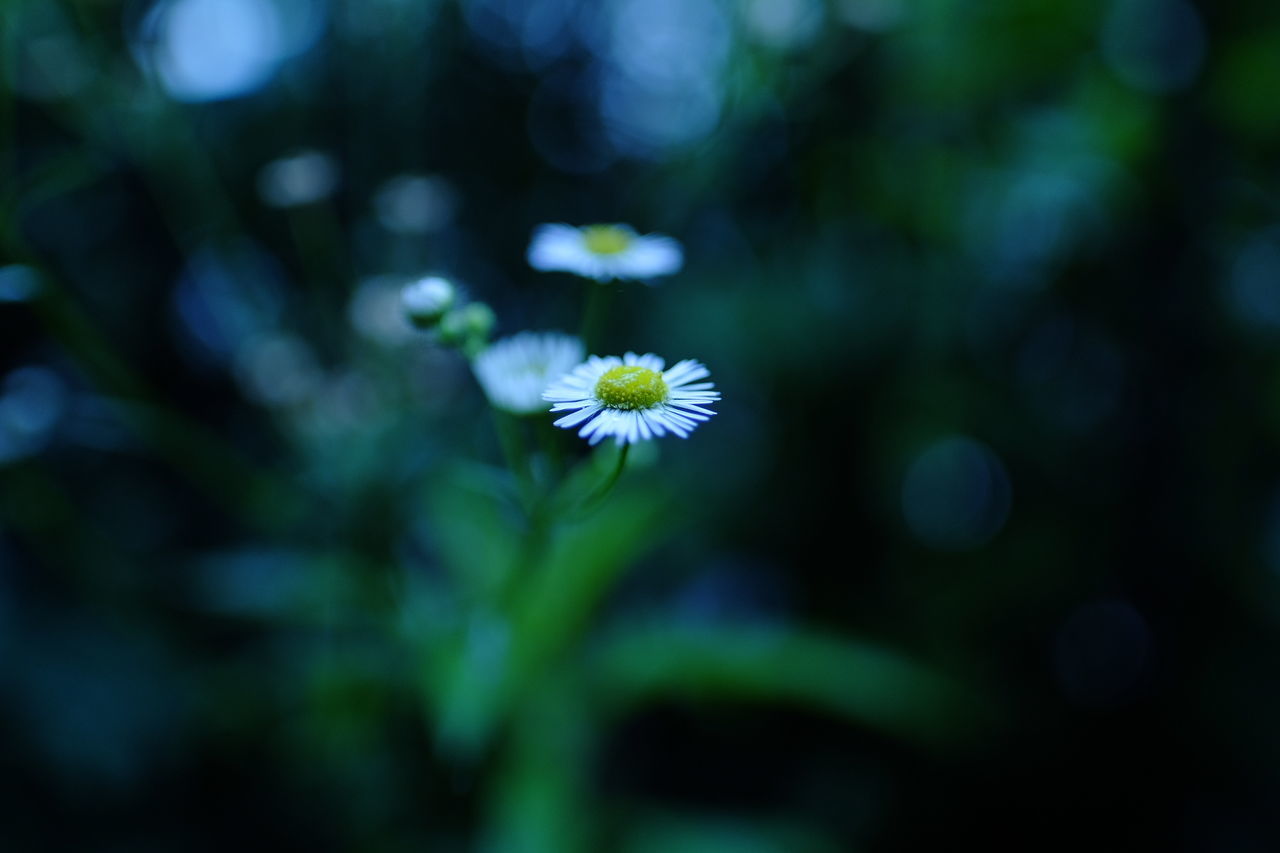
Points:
[426,300]
[467,327]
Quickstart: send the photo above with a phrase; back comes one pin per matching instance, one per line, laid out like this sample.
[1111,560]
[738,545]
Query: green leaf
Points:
[866,684]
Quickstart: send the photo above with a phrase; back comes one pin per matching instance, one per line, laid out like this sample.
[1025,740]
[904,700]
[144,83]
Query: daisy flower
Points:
[515,371]
[603,252]
[632,398]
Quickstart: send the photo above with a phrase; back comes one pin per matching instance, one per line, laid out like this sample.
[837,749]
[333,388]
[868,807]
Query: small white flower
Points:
[515,371]
[632,398]
[427,299]
[603,252]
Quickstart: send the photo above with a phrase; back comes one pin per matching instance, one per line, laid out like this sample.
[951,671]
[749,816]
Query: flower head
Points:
[425,300]
[632,398]
[603,252]
[515,371]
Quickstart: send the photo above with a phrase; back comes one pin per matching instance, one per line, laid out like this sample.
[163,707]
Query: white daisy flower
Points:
[632,398]
[515,371]
[603,252]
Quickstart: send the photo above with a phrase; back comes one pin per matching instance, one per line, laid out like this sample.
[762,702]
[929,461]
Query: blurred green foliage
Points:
[982,543]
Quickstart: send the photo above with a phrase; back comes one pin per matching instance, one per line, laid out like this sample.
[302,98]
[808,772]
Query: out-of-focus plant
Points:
[528,670]
[367,545]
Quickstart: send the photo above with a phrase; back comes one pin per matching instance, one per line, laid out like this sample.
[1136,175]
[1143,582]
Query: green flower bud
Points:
[480,320]
[467,327]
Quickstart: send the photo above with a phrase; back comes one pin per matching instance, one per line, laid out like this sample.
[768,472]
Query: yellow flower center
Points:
[606,239]
[625,387]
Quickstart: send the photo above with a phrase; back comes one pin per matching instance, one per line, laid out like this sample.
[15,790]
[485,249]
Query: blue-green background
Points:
[981,547]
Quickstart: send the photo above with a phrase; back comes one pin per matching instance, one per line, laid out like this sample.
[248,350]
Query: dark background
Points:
[982,544]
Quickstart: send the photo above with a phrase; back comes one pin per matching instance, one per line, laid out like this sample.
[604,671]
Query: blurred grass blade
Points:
[678,833]
[539,802]
[550,606]
[556,603]
[863,683]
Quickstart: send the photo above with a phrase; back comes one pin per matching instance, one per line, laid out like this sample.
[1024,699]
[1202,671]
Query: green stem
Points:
[537,538]
[540,517]
[606,488]
[594,314]
[549,442]
[513,451]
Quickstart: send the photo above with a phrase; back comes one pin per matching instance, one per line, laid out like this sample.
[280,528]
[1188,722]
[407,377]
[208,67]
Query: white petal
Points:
[650,255]
[599,427]
[570,421]
[556,247]
[679,418]
[671,423]
[563,392]
[596,366]
[650,361]
[645,427]
[580,381]
[570,405]
[633,422]
[684,372]
[696,400]
[680,394]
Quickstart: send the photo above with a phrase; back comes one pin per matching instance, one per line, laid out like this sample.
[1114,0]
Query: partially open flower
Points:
[604,252]
[515,371]
[632,398]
